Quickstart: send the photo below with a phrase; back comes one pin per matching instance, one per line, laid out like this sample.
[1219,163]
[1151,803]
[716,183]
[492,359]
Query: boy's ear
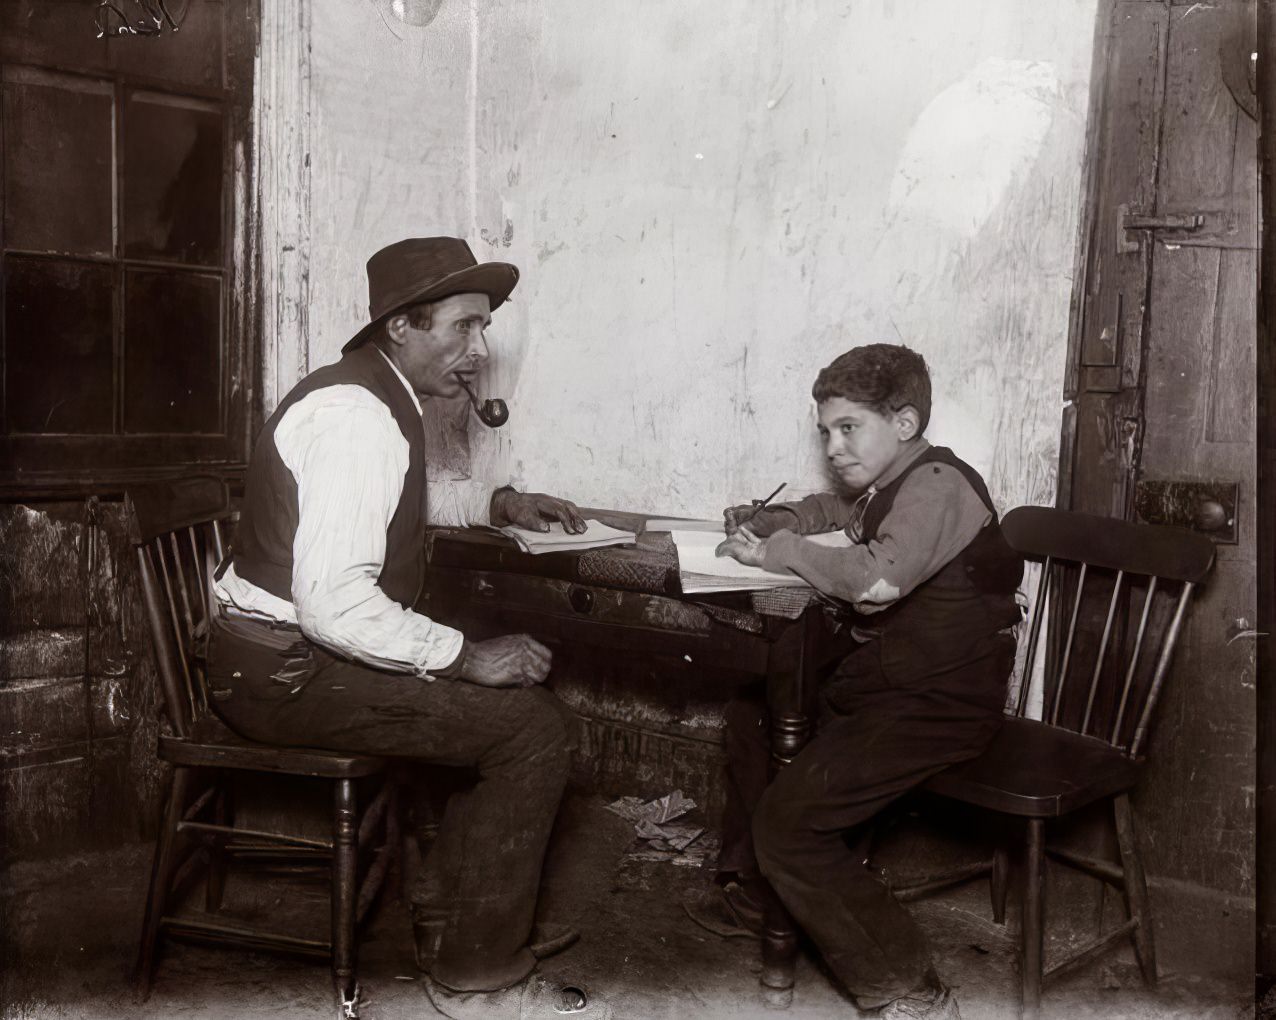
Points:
[908,422]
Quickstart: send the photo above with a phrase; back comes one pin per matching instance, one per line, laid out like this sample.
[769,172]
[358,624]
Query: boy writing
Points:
[932,585]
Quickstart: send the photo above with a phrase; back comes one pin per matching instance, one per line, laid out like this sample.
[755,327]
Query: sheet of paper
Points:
[701,571]
[596,536]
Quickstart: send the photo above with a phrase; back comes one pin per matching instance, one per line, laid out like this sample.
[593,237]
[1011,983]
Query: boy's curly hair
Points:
[887,377]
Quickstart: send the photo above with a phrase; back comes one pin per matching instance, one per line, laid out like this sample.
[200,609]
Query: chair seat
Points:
[212,744]
[1034,770]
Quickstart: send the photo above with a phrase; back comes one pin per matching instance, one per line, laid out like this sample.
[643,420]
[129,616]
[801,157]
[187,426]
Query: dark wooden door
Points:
[1160,420]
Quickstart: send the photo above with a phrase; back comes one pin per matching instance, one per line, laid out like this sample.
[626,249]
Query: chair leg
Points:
[162,869]
[344,881]
[1000,882]
[1033,908]
[217,852]
[1135,887]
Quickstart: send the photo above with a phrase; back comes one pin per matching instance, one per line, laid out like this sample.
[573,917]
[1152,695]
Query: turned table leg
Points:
[789,674]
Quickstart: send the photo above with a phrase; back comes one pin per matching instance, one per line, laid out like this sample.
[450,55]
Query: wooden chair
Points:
[1106,664]
[177,529]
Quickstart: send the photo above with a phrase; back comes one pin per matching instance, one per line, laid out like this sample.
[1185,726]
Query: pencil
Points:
[761,505]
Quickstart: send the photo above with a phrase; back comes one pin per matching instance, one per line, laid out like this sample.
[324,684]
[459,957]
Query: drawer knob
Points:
[483,587]
[582,599]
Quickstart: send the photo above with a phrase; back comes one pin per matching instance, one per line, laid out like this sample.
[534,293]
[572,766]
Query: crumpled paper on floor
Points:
[664,838]
[658,811]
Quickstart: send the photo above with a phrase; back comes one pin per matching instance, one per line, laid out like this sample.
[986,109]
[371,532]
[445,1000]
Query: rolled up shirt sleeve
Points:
[936,514]
[349,460]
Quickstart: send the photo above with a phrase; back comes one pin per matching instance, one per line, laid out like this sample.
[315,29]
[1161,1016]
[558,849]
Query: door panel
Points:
[1163,390]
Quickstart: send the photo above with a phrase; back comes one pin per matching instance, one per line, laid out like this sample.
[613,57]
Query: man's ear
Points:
[908,423]
[396,328]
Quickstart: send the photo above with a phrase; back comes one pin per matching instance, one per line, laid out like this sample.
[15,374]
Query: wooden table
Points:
[628,600]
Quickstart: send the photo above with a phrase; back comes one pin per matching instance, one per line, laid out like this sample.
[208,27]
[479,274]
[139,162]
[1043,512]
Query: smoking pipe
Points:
[494,413]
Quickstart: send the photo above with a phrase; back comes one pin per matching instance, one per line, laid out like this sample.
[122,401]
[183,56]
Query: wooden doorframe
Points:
[281,126]
[1091,178]
[1108,336]
[1265,795]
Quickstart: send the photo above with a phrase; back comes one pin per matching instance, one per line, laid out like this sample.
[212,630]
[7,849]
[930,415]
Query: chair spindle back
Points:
[176,527]
[1095,570]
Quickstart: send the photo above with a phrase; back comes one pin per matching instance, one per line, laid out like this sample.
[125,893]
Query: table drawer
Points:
[575,601]
[555,609]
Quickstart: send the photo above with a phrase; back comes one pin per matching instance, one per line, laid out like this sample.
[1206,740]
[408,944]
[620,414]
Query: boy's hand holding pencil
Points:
[762,523]
[761,519]
[746,527]
[743,545]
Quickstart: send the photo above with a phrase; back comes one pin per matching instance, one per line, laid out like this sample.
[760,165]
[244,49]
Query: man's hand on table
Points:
[764,522]
[514,660]
[743,545]
[534,511]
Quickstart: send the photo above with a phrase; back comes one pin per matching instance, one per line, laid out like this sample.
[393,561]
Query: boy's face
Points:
[860,443]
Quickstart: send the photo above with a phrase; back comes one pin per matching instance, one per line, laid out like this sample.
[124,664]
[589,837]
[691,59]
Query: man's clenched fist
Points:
[514,660]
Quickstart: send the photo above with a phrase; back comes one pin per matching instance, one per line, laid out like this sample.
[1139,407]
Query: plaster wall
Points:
[708,203]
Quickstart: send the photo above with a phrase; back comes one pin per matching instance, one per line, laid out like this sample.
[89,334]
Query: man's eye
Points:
[463,326]
[848,429]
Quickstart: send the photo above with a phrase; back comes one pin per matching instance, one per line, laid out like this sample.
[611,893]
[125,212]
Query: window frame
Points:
[70,465]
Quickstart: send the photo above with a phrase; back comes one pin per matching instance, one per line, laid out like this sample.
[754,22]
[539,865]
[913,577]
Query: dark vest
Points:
[268,519]
[943,620]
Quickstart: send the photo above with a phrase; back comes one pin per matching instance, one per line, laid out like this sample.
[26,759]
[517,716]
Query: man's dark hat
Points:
[420,269]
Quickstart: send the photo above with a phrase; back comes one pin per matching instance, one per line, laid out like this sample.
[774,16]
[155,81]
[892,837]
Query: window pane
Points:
[57,346]
[172,352]
[57,167]
[172,179]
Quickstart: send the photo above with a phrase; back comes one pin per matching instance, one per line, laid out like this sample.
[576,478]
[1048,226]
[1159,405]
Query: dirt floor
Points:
[72,927]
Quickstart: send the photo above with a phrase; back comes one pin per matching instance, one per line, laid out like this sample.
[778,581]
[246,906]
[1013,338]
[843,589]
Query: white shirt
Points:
[349,459]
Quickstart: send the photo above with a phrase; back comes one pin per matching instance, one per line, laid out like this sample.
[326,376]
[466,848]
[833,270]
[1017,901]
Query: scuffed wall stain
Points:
[40,566]
[42,653]
[506,236]
[78,719]
[972,140]
[49,714]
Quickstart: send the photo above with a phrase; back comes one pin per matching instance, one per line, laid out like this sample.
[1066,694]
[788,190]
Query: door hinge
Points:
[1129,222]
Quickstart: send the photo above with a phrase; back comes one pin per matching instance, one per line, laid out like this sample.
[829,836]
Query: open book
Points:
[699,570]
[595,536]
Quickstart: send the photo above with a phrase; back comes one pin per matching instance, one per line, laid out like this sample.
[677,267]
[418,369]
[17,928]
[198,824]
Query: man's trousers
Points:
[478,887]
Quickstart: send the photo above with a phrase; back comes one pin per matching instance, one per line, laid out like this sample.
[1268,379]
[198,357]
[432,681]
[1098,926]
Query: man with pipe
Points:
[317,644]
